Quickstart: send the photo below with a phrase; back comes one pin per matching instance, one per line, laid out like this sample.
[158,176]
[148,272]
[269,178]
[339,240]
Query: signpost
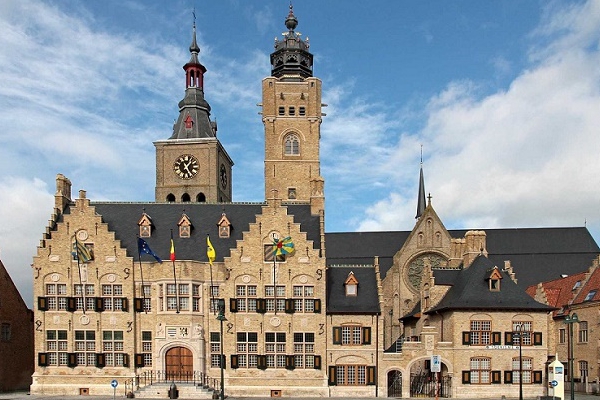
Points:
[114,383]
[436,368]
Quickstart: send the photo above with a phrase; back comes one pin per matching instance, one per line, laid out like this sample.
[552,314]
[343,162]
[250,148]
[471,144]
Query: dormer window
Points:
[494,280]
[185,227]
[351,284]
[224,227]
[145,224]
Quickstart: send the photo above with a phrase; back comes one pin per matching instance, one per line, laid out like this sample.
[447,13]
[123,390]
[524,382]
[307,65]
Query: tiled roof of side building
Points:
[122,219]
[536,254]
[366,300]
[559,292]
[471,290]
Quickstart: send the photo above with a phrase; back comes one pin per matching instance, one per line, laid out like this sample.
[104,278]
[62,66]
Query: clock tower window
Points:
[201,198]
[185,198]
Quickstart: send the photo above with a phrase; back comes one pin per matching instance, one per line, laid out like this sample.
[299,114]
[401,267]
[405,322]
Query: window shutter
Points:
[466,338]
[233,305]
[337,335]
[332,378]
[289,362]
[100,360]
[537,338]
[234,361]
[223,361]
[71,360]
[537,376]
[289,306]
[261,306]
[124,304]
[99,304]
[317,362]
[317,309]
[139,360]
[261,362]
[43,359]
[507,376]
[42,305]
[126,360]
[496,376]
[366,335]
[466,377]
[71,304]
[371,376]
[496,338]
[508,338]
[138,305]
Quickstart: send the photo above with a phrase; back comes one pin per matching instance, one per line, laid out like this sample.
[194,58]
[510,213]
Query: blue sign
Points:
[554,383]
[114,383]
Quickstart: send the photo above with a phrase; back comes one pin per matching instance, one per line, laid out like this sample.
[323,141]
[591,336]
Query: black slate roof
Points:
[365,302]
[122,219]
[536,254]
[471,291]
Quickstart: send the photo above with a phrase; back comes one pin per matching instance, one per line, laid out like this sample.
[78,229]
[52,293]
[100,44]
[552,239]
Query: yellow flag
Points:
[210,250]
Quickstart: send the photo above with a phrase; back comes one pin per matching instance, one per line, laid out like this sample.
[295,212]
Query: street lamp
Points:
[570,320]
[519,335]
[221,318]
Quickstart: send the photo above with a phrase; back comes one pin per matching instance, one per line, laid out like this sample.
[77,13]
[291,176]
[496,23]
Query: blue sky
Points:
[504,97]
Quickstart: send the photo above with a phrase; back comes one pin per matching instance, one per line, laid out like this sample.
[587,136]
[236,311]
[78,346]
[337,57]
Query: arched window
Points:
[201,198]
[171,198]
[185,198]
[292,145]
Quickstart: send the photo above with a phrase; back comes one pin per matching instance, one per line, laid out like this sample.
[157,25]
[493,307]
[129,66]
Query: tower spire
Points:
[421,197]
[291,60]
[194,111]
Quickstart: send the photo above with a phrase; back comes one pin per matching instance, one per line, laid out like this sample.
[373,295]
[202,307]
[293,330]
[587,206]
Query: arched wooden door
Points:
[179,364]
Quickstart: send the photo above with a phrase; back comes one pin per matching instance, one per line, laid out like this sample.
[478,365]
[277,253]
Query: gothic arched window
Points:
[292,145]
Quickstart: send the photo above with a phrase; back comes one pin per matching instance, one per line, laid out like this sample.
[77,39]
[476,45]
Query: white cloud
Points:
[526,156]
[26,208]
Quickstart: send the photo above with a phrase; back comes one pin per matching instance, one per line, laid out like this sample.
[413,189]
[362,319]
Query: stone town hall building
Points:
[344,314]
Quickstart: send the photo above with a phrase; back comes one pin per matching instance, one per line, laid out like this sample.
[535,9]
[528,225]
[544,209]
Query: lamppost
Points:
[221,318]
[570,320]
[518,334]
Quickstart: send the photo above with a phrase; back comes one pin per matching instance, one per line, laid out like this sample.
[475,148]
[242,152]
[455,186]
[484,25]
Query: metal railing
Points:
[148,378]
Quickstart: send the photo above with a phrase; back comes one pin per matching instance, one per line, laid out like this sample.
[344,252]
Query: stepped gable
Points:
[122,218]
[471,291]
[365,302]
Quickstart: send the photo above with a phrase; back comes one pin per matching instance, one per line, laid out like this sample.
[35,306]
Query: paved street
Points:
[25,395]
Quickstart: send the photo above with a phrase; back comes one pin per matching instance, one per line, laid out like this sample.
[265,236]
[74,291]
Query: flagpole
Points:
[274,272]
[174,274]
[142,277]
[79,269]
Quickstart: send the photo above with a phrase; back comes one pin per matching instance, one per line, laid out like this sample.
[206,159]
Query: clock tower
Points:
[291,114]
[192,165]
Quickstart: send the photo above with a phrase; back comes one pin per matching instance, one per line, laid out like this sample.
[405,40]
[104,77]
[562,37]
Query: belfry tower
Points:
[291,113]
[192,165]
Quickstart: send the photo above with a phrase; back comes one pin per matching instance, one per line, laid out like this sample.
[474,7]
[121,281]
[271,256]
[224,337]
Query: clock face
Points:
[186,166]
[223,174]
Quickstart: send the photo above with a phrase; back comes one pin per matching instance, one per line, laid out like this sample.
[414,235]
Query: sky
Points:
[501,98]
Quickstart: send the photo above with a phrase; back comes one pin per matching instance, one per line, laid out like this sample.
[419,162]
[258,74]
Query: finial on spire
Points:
[291,22]
[421,195]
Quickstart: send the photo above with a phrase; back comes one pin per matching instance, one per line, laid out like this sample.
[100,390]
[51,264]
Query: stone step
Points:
[161,391]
